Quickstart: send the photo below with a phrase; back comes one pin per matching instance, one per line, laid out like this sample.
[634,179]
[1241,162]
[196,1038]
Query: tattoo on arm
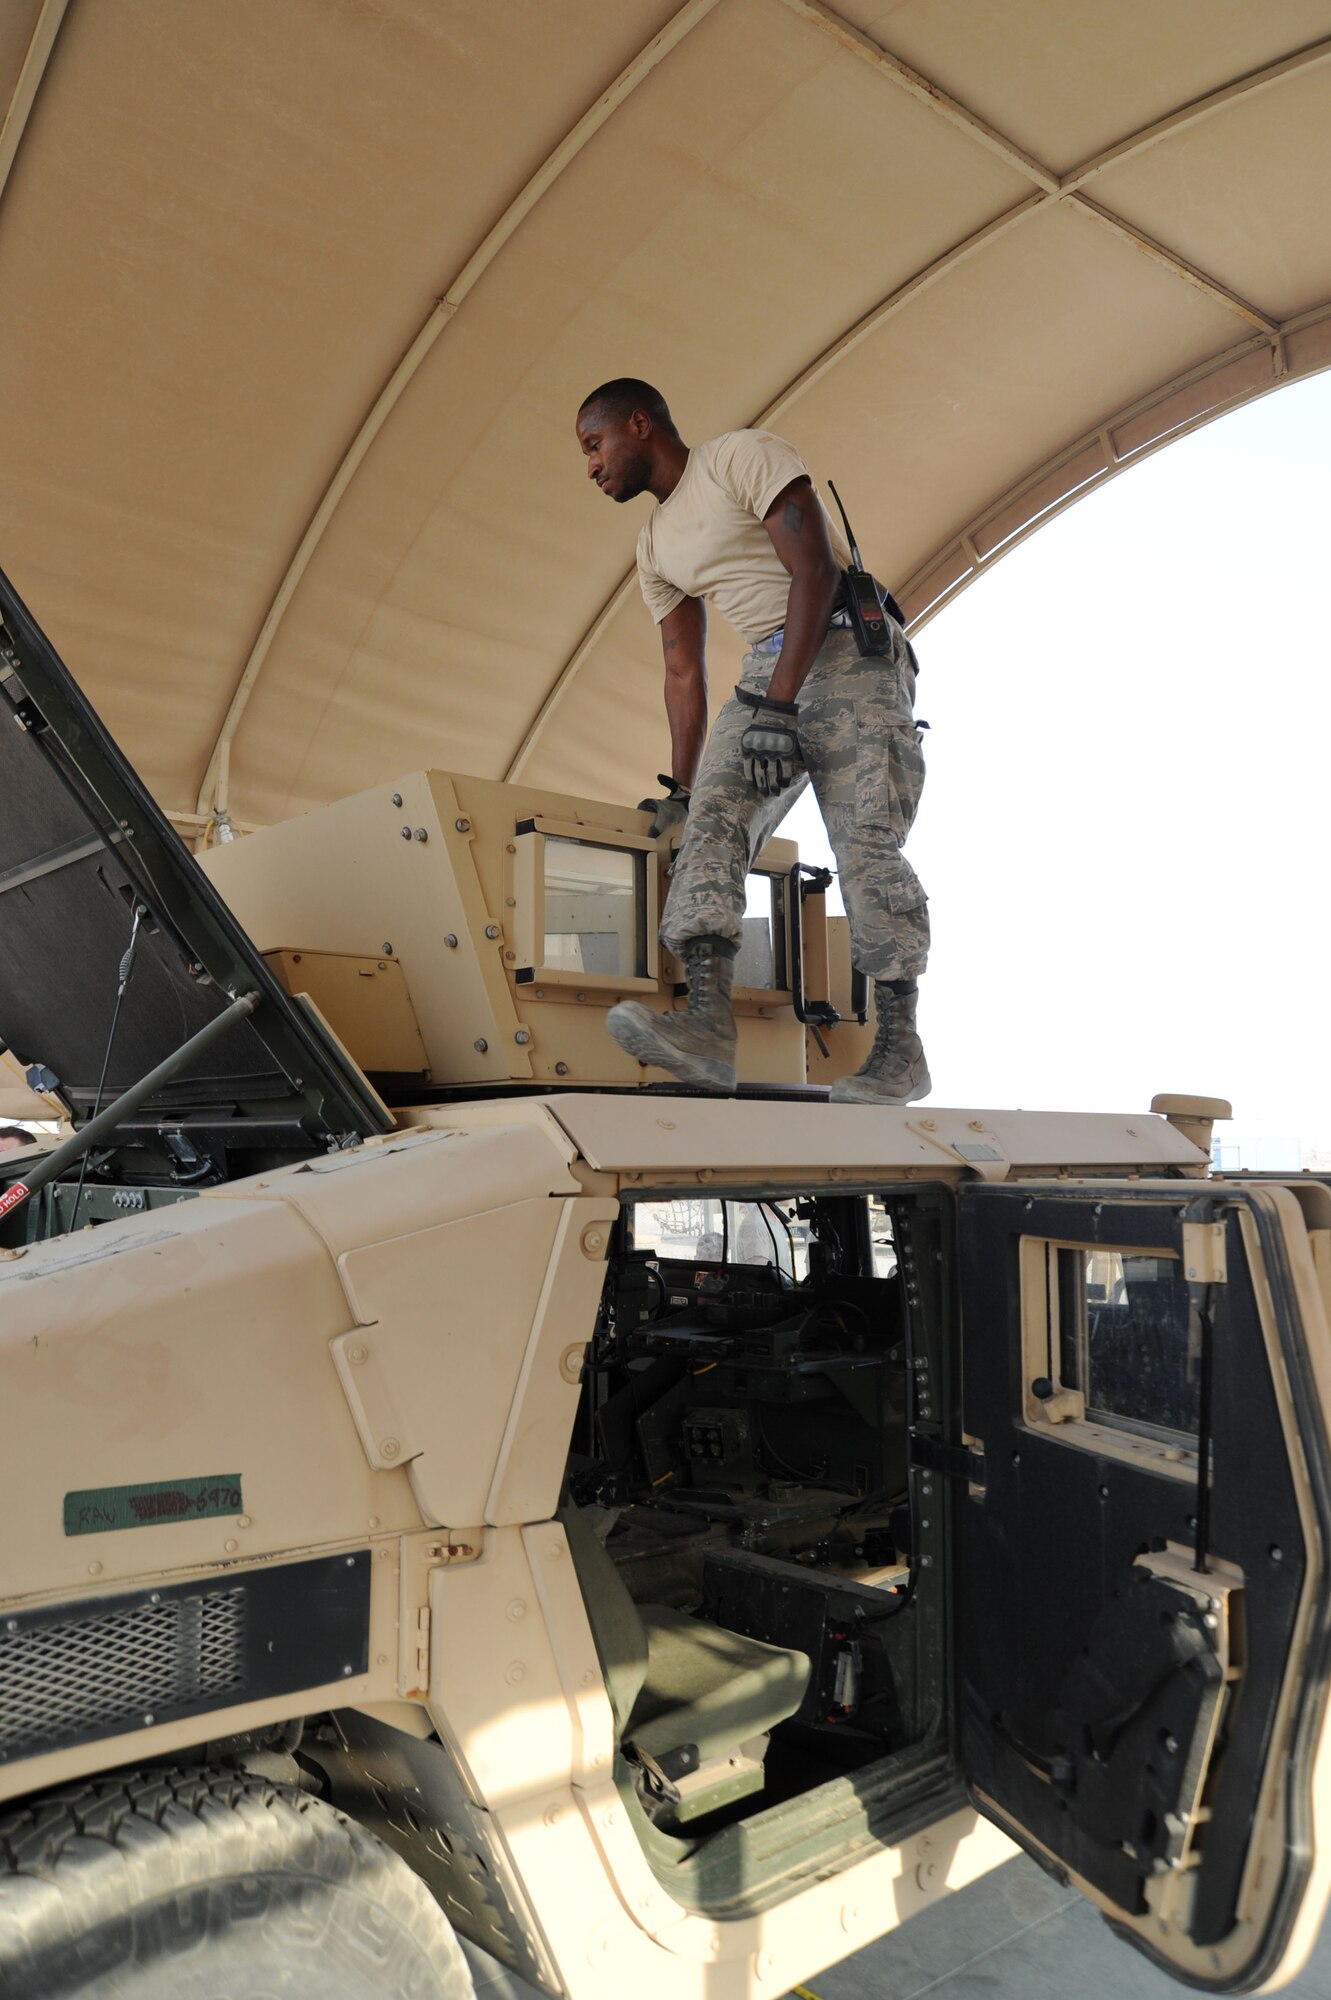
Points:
[670,644]
[793,516]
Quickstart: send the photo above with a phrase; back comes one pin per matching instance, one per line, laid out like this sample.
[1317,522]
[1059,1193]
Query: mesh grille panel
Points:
[64,1682]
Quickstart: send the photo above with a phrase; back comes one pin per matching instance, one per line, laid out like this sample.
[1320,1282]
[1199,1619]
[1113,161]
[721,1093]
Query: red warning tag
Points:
[12,1196]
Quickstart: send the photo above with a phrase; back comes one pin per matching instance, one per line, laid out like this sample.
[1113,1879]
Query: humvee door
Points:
[1144,1616]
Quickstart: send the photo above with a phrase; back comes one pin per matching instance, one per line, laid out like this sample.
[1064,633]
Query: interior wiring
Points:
[783,1464]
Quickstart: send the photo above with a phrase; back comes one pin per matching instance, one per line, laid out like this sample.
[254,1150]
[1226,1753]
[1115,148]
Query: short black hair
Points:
[626,394]
[17,1132]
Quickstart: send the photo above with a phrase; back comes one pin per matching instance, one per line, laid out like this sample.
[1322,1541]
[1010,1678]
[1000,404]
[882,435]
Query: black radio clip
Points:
[868,604]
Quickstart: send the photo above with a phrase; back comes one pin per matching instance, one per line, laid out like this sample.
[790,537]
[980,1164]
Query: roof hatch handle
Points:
[809,955]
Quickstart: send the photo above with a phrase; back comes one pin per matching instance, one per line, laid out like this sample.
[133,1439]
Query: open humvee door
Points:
[1145,1621]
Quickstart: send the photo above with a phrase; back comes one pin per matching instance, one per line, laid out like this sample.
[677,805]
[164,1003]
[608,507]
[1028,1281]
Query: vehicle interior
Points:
[757,1487]
[738,1501]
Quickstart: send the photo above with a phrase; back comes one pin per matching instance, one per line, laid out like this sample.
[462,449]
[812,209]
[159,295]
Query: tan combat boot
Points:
[894,1071]
[697,1046]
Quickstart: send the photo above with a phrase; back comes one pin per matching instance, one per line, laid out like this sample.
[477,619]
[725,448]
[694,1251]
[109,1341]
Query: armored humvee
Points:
[458,1483]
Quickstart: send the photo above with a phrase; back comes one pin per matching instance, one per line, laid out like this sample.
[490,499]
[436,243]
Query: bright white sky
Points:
[1124,833]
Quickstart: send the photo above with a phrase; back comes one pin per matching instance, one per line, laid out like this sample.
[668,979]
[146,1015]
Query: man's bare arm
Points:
[798,529]
[684,644]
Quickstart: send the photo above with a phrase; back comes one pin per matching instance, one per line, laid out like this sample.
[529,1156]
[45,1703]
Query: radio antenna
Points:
[850,532]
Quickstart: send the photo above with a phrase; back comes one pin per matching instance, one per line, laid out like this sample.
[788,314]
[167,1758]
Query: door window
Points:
[726,1232]
[1129,1339]
[594,908]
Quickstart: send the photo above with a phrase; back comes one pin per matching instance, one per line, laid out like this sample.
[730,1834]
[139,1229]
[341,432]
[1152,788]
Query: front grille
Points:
[70,1673]
[71,1679]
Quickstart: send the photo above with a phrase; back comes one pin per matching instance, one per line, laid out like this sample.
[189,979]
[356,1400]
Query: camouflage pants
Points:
[862,754]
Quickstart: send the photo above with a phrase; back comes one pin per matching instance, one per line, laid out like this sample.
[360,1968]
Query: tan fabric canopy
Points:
[300,300]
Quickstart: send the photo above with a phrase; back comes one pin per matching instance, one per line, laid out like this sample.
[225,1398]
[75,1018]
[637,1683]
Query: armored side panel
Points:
[455,931]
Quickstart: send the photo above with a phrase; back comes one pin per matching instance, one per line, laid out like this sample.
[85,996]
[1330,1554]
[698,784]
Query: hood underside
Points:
[117,948]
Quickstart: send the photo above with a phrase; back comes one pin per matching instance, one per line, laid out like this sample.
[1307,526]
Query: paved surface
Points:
[1016,1935]
[1013,1935]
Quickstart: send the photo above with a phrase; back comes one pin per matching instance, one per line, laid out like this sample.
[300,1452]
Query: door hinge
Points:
[954,1461]
[423,1646]
[1204,1253]
[28,716]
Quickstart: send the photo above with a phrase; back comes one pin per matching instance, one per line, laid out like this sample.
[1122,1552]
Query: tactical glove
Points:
[769,746]
[669,813]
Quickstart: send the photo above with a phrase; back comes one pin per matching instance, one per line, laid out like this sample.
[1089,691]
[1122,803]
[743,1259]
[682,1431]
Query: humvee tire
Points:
[211,1885]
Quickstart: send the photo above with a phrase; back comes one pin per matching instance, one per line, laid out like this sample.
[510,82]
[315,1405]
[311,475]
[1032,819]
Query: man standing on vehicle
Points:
[739,525]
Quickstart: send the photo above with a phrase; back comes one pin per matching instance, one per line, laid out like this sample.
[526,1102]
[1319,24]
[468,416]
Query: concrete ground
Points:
[1013,1935]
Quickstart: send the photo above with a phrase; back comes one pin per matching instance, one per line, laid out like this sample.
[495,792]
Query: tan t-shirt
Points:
[708,539]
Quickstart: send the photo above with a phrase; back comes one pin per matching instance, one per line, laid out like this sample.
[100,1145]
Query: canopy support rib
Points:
[1161,254]
[891,67]
[45,29]
[1192,114]
[214,792]
[1186,403]
[1048,187]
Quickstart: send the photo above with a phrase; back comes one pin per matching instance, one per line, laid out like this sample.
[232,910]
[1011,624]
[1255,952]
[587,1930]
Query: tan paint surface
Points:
[452,1273]
[442,888]
[853,1140]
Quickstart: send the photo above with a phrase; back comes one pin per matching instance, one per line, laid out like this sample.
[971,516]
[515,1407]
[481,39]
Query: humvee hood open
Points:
[84,850]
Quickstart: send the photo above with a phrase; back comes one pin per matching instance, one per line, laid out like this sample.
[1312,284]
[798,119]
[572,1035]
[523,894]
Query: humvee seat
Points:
[685,1694]
[710,1687]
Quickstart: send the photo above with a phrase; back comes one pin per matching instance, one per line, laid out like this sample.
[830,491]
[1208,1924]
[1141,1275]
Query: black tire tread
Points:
[96,1875]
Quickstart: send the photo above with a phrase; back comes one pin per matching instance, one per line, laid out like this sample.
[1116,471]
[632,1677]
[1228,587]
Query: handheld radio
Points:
[868,604]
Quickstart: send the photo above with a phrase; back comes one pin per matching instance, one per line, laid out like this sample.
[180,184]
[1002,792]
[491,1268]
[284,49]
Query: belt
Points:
[840,620]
